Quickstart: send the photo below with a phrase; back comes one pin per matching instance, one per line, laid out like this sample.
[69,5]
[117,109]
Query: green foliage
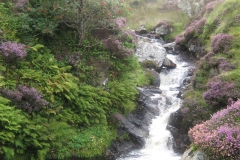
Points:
[40,18]
[69,75]
[91,105]
[9,23]
[201,79]
[194,109]
[122,96]
[11,122]
[89,142]
[222,17]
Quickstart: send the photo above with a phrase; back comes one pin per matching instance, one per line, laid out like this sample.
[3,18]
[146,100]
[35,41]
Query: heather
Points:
[13,51]
[219,137]
[194,28]
[219,92]
[66,68]
[215,82]
[25,98]
[221,43]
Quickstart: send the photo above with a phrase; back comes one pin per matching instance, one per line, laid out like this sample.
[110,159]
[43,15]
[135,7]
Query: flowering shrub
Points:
[221,42]
[210,6]
[12,51]
[120,22]
[194,112]
[118,50]
[25,98]
[225,65]
[195,27]
[219,137]
[219,92]
[179,39]
[130,34]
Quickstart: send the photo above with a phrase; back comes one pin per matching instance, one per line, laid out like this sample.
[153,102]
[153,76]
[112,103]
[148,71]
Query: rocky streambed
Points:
[137,134]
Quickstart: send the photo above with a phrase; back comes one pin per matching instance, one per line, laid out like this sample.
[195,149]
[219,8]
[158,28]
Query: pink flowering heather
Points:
[12,51]
[221,42]
[211,5]
[130,33]
[117,49]
[219,92]
[219,137]
[195,27]
[225,65]
[179,39]
[120,22]
[25,98]
[185,110]
[194,112]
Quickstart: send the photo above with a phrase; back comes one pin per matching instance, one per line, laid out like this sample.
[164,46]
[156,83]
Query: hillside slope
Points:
[213,36]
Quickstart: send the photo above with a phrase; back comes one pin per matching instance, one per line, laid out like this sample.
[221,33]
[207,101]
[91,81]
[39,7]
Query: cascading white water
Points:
[158,145]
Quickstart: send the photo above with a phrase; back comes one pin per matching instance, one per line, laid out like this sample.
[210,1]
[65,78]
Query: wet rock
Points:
[175,119]
[135,125]
[195,46]
[180,95]
[150,50]
[170,48]
[180,137]
[187,80]
[169,45]
[192,154]
[168,64]
[162,30]
[190,72]
[141,30]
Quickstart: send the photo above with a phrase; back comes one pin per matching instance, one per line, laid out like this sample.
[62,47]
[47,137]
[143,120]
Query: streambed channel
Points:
[158,144]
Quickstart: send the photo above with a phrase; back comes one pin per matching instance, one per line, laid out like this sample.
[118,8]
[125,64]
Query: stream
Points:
[159,142]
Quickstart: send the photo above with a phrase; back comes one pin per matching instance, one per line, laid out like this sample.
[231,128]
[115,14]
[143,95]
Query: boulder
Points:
[195,46]
[162,30]
[141,30]
[135,125]
[180,137]
[168,64]
[150,50]
[192,154]
[170,46]
[163,27]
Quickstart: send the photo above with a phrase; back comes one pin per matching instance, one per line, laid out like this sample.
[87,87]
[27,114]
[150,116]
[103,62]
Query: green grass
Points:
[225,12]
[147,13]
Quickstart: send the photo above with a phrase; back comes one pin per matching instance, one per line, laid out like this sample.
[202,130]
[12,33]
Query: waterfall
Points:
[158,144]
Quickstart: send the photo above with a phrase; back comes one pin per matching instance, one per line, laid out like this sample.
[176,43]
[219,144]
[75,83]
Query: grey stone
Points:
[192,154]
[168,64]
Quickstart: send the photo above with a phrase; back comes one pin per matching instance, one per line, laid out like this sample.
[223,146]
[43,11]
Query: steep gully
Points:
[146,130]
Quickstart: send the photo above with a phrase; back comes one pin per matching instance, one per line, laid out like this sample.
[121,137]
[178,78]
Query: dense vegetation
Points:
[66,68]
[214,32]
